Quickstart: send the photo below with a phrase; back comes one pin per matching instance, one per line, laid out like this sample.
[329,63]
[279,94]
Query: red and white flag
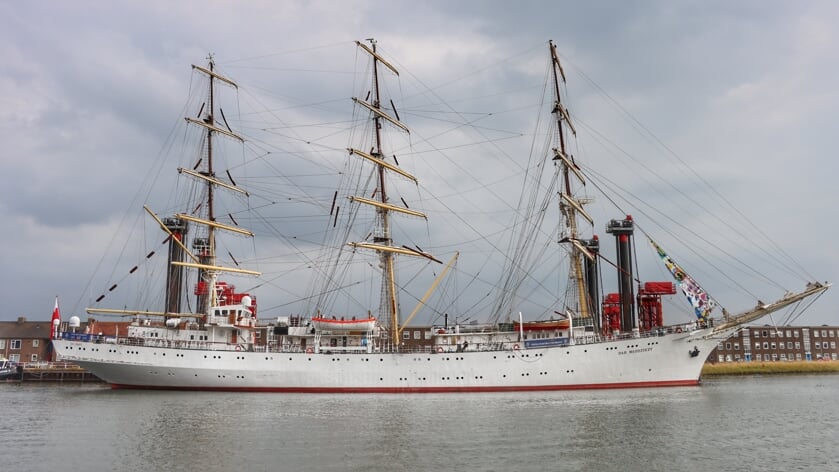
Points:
[56,321]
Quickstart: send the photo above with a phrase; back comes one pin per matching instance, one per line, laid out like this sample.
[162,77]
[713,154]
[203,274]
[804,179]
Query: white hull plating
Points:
[640,362]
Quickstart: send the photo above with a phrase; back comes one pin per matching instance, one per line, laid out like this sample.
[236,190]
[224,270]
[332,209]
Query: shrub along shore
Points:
[779,367]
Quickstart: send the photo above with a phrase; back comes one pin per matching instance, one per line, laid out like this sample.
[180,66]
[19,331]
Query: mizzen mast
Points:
[382,239]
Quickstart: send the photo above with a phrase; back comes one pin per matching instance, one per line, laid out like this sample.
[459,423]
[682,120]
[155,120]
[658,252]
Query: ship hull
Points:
[668,360]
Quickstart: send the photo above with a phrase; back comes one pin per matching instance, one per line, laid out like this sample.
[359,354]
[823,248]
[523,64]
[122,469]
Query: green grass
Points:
[779,367]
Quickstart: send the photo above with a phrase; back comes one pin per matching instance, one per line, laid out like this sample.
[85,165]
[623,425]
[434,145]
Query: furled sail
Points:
[698,298]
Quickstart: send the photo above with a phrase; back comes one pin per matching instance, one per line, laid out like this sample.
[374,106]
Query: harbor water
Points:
[772,423]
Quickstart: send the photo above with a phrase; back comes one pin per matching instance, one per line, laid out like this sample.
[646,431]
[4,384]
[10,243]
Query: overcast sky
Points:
[719,102]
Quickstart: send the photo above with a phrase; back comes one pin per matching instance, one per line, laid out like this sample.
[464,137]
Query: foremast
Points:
[382,239]
[581,252]
[204,172]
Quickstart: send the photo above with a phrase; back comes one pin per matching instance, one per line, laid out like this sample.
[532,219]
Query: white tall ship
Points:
[601,341]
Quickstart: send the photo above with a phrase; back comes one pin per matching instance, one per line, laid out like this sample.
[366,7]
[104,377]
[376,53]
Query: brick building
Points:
[25,341]
[778,343]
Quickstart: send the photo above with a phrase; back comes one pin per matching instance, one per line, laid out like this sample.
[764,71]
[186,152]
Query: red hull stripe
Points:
[664,383]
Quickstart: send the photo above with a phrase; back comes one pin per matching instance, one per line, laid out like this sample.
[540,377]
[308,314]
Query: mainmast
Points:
[582,253]
[382,240]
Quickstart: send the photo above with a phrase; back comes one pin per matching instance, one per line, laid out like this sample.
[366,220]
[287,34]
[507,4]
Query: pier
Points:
[60,372]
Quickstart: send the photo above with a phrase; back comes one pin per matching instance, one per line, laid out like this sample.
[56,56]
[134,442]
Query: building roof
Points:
[22,329]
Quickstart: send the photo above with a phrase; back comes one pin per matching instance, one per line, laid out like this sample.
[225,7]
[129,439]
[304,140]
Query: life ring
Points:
[439,349]
[309,350]
[515,347]
[678,330]
[238,348]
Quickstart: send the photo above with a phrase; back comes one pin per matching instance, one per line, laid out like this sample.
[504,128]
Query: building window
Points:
[736,346]
[727,346]
[772,334]
[36,342]
[417,334]
[797,345]
[728,357]
[758,357]
[757,346]
[824,333]
[783,357]
[765,333]
[815,333]
[737,357]
[818,345]
[34,358]
[406,335]
[766,345]
[795,333]
[721,358]
[14,358]
[789,333]
[832,333]
[756,333]
[15,344]
[789,344]
[798,356]
[2,344]
[833,344]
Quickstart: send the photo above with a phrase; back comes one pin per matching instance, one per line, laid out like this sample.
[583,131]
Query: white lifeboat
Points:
[332,324]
